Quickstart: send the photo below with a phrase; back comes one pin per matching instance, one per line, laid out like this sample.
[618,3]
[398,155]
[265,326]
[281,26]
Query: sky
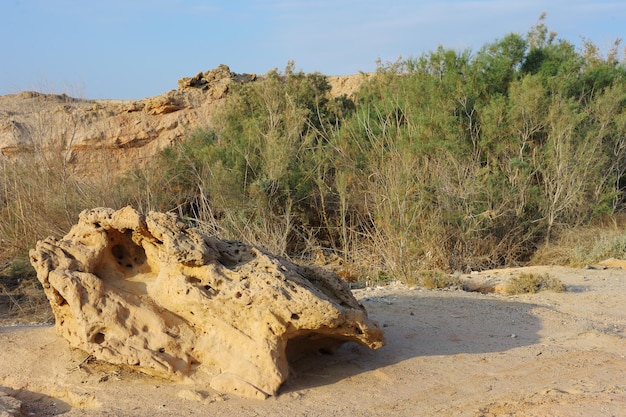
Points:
[132,49]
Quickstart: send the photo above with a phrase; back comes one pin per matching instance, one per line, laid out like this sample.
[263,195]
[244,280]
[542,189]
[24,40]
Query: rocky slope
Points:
[114,134]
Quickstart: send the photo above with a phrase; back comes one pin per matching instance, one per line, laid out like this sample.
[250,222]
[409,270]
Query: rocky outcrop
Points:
[215,81]
[347,85]
[111,135]
[149,292]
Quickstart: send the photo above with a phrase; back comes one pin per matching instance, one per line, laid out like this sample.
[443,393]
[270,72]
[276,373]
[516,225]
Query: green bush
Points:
[448,161]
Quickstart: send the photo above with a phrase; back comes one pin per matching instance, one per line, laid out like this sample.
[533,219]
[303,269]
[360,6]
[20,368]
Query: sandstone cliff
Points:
[120,134]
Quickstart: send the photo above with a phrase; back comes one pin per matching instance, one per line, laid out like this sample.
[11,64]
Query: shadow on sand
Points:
[421,326]
[36,404]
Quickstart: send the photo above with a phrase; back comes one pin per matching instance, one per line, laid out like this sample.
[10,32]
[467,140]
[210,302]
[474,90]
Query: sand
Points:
[449,353]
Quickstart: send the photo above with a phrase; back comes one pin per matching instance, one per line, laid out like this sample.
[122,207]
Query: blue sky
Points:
[130,49]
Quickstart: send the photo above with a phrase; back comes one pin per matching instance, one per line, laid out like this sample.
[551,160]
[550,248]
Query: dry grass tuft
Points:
[437,279]
[528,283]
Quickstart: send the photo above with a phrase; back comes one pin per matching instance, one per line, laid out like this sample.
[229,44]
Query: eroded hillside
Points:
[93,137]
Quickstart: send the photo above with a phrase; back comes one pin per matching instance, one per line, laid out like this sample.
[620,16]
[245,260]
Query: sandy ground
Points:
[449,353]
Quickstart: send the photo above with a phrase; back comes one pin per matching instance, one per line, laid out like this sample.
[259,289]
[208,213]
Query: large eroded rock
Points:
[147,291]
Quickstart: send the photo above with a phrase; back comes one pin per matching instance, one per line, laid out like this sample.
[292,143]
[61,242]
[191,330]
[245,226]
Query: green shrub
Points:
[448,161]
[586,245]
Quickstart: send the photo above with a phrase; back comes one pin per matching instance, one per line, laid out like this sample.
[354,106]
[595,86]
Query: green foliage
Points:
[447,161]
[607,247]
[264,173]
[497,65]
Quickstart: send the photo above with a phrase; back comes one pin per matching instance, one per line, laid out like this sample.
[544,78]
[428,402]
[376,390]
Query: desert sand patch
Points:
[449,353]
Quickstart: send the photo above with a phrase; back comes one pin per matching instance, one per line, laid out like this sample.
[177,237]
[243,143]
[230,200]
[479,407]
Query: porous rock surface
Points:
[149,292]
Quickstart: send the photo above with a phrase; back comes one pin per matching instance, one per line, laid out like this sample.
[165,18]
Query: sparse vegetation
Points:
[529,283]
[586,245]
[437,279]
[21,297]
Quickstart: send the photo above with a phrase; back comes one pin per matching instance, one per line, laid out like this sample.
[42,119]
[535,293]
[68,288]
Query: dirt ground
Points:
[448,353]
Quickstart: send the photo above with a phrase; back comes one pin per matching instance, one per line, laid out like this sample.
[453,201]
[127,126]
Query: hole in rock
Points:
[172,334]
[123,262]
[208,290]
[294,316]
[119,252]
[123,314]
[98,338]
[237,294]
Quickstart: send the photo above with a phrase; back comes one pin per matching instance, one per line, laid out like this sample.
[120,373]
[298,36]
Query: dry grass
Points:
[22,300]
[529,283]
[437,279]
[586,245]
